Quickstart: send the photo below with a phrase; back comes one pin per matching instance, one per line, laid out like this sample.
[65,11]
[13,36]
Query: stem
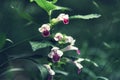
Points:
[49,13]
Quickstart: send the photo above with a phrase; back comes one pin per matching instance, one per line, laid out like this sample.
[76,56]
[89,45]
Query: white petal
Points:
[60,17]
[78,65]
[46,26]
[59,52]
[79,60]
[55,48]
[51,72]
[50,55]
[58,36]
[40,29]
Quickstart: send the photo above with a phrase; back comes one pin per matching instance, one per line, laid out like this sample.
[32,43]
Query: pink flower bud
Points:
[45,30]
[58,37]
[63,17]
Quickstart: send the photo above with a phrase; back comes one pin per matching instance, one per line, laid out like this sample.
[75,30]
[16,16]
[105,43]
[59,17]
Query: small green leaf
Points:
[49,6]
[54,1]
[9,41]
[94,63]
[61,72]
[2,40]
[107,45]
[89,16]
[39,45]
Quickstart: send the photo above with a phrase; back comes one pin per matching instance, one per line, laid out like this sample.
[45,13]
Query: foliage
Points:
[24,51]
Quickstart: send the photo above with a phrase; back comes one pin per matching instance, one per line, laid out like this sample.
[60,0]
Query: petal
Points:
[79,60]
[55,48]
[78,51]
[58,36]
[50,55]
[79,70]
[46,26]
[78,65]
[66,21]
[51,72]
[46,33]
[59,52]
[56,57]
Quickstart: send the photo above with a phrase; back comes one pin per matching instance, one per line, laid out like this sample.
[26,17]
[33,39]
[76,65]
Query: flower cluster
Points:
[56,53]
[45,28]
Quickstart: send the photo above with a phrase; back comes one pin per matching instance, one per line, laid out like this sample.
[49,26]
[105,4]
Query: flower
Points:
[63,17]
[55,54]
[51,72]
[69,39]
[45,30]
[58,37]
[71,47]
[78,65]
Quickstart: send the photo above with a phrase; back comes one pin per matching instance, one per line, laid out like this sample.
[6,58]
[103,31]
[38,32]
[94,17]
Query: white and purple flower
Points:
[78,65]
[45,30]
[69,39]
[51,72]
[55,54]
[63,17]
[58,37]
[71,47]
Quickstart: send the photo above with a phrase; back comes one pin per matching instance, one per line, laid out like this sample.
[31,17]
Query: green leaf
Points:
[49,6]
[103,78]
[61,72]
[39,45]
[11,70]
[43,71]
[17,6]
[9,41]
[2,40]
[54,1]
[94,63]
[89,16]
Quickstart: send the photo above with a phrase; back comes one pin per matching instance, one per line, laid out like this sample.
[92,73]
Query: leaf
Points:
[43,71]
[94,63]
[107,45]
[2,40]
[49,6]
[89,16]
[39,45]
[9,41]
[11,70]
[61,72]
[101,77]
[17,6]
[41,68]
[89,72]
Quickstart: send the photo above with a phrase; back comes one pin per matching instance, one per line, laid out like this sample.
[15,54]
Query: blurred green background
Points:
[98,39]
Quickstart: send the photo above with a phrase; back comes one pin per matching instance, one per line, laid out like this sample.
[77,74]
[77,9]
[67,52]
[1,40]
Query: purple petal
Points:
[46,33]
[50,77]
[79,70]
[66,21]
[78,51]
[56,57]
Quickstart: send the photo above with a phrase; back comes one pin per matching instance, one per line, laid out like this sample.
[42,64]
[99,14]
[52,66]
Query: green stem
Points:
[50,16]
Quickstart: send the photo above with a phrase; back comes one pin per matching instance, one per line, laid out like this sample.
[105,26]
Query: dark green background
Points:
[98,39]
